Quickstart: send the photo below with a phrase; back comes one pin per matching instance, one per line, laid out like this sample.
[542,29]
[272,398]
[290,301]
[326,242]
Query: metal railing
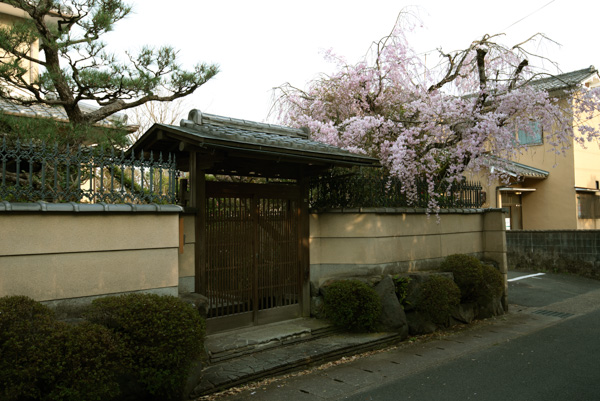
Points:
[369,189]
[32,172]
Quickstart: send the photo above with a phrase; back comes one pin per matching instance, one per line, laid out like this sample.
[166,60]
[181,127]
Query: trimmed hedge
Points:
[43,359]
[477,282]
[163,336]
[492,284]
[439,295]
[138,346]
[85,362]
[467,275]
[352,305]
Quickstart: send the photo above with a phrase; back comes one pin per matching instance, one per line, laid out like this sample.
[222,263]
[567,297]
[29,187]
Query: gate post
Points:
[198,201]
[303,235]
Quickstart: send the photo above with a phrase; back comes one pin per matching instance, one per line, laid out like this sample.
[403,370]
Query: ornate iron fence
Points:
[38,172]
[368,189]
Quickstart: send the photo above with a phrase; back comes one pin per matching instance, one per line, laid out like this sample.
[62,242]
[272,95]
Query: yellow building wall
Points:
[553,205]
[587,172]
[8,16]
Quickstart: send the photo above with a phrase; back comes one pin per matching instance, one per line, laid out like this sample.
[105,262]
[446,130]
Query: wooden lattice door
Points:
[252,254]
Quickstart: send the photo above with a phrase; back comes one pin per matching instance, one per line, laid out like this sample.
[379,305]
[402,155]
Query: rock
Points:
[419,323]
[392,313]
[314,289]
[316,307]
[491,308]
[198,301]
[464,313]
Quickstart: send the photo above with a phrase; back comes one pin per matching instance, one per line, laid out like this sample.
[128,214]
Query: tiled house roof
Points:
[267,137]
[238,147]
[564,81]
[514,169]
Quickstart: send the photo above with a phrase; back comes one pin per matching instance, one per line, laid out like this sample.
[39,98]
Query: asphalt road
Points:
[559,362]
[544,289]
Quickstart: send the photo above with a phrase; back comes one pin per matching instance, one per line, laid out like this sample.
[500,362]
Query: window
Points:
[533,136]
[588,206]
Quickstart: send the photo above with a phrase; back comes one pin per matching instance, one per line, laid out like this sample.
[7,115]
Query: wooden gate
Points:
[253,270]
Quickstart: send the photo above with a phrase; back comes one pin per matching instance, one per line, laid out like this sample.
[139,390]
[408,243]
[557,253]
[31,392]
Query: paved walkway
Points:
[242,356]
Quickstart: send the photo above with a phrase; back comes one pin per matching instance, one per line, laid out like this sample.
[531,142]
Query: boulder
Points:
[464,313]
[392,313]
[316,307]
[198,301]
[419,323]
[314,289]
[491,308]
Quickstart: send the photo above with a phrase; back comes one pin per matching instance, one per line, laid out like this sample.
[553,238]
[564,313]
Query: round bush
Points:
[85,361]
[492,284]
[163,335]
[25,329]
[43,359]
[438,296]
[467,275]
[352,305]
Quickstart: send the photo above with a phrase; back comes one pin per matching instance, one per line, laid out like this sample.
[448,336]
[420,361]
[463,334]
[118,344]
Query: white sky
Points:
[262,44]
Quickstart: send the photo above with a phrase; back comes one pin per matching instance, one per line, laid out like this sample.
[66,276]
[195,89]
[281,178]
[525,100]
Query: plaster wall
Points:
[375,243]
[53,256]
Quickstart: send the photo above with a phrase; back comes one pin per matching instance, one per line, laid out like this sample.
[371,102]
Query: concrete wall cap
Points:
[101,207]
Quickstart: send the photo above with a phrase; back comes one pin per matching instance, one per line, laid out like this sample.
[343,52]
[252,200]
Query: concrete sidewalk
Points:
[349,375]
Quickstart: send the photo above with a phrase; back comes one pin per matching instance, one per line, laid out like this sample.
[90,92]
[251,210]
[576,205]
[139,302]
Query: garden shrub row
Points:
[131,347]
[478,282]
[355,306]
[352,305]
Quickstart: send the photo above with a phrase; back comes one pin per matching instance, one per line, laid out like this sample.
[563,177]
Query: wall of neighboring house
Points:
[553,203]
[8,16]
[587,176]
[74,256]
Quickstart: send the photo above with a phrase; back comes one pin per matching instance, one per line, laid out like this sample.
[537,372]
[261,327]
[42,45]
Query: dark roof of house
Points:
[515,169]
[58,113]
[565,81]
[230,143]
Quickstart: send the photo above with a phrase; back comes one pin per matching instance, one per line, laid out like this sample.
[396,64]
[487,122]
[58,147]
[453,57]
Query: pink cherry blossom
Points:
[436,123]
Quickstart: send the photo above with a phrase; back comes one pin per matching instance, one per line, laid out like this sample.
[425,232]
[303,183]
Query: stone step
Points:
[234,344]
[272,361]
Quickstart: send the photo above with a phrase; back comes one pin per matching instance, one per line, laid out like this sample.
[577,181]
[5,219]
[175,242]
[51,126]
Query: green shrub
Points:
[163,335]
[467,275]
[439,294]
[25,329]
[43,359]
[492,284]
[401,284]
[85,363]
[352,305]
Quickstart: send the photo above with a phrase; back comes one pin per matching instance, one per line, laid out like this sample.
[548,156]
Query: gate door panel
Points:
[253,270]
